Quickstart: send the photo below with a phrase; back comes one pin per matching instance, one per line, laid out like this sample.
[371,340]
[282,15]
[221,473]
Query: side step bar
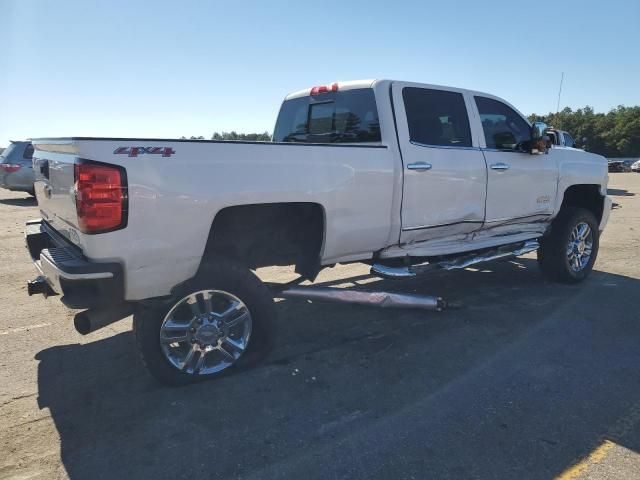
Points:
[463,261]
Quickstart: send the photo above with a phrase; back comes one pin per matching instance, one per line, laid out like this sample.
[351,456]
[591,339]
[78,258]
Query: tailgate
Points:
[53,165]
[78,194]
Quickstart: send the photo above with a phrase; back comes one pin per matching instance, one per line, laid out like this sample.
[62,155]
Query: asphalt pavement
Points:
[526,380]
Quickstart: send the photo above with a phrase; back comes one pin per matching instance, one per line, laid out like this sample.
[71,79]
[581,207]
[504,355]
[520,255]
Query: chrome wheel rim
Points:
[205,332]
[580,247]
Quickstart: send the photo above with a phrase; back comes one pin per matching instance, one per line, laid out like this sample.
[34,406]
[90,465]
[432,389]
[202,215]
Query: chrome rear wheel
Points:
[205,332]
[219,322]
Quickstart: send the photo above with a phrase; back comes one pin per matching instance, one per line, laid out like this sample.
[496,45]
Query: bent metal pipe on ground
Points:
[374,299]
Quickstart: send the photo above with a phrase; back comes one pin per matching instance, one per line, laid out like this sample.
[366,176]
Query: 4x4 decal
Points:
[135,151]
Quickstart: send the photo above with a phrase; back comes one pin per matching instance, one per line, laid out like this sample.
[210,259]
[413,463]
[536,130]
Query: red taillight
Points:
[10,167]
[324,89]
[101,197]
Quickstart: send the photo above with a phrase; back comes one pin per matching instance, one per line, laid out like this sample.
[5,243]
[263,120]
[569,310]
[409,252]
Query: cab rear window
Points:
[349,116]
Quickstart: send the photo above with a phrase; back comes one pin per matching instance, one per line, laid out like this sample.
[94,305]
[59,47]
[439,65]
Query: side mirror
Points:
[539,139]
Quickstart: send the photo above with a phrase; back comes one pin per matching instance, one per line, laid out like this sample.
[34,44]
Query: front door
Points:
[444,172]
[521,188]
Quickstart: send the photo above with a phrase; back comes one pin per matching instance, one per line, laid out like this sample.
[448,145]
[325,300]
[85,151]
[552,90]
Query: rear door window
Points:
[349,116]
[436,117]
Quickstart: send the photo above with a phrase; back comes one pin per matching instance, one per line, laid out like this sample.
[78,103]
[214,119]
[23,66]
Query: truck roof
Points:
[341,86]
[370,83]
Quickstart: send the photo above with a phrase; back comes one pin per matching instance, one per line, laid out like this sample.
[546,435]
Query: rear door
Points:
[444,171]
[521,187]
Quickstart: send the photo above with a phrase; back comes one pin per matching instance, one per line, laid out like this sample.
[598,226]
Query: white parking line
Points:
[24,329]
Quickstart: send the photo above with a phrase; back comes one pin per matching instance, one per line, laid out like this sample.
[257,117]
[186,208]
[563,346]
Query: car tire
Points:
[221,280]
[563,256]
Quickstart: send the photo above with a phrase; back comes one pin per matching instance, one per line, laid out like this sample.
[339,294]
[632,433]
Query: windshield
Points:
[349,116]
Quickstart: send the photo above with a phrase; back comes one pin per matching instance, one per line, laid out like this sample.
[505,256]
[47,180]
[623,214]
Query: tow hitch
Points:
[39,286]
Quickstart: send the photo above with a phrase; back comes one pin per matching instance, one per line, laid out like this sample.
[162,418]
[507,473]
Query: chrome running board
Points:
[463,261]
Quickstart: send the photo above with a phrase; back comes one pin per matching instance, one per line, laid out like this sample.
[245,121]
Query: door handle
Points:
[500,166]
[419,166]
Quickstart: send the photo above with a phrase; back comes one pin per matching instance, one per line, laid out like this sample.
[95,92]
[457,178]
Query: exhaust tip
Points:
[94,319]
[82,322]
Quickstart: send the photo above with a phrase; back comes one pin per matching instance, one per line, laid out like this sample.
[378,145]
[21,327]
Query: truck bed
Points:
[176,187]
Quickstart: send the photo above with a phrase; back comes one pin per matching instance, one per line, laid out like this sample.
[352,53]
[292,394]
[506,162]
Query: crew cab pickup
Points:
[404,176]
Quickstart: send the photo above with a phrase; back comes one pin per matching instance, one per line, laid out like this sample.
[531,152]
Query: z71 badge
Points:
[135,151]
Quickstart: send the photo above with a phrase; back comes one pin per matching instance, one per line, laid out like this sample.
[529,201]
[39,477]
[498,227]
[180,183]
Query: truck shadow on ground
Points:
[19,202]
[618,192]
[522,381]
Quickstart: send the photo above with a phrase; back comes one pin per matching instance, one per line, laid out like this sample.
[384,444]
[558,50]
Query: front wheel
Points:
[567,255]
[223,318]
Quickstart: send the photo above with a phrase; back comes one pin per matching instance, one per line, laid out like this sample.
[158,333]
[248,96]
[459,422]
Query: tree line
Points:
[247,137]
[612,134]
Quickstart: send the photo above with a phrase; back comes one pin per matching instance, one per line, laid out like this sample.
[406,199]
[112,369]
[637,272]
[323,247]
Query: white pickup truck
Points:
[407,177]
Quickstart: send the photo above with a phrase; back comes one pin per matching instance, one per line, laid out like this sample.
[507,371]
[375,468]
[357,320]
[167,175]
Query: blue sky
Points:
[171,68]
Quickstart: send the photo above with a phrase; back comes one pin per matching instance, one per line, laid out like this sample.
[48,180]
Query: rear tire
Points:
[564,256]
[230,282]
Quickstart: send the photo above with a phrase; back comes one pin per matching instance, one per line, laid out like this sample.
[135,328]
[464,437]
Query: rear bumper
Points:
[82,283]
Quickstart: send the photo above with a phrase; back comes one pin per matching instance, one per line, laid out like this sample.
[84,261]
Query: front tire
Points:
[567,255]
[222,320]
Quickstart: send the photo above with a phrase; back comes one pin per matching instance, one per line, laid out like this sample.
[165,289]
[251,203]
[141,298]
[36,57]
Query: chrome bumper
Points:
[83,283]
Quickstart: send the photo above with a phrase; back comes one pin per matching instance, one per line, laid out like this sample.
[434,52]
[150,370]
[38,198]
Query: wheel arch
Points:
[586,196]
[269,234]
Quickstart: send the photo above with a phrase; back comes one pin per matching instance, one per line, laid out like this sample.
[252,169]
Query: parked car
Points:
[620,166]
[636,167]
[404,176]
[16,169]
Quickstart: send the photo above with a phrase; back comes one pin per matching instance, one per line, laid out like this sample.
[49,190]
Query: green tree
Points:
[612,134]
